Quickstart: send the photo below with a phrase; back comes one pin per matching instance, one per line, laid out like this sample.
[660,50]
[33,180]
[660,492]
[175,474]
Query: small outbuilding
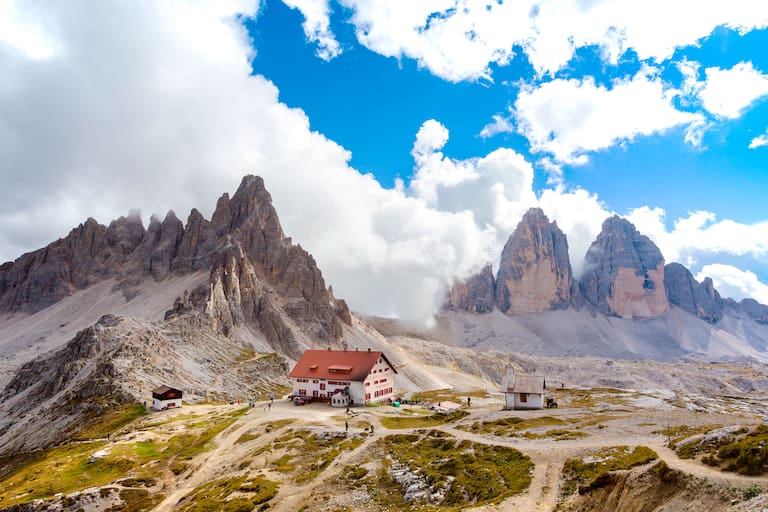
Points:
[523,391]
[166,397]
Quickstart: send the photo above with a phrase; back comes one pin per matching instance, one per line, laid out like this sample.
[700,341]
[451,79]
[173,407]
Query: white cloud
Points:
[759,141]
[498,190]
[157,108]
[500,124]
[700,233]
[568,118]
[317,26]
[580,215]
[735,283]
[460,39]
[728,92]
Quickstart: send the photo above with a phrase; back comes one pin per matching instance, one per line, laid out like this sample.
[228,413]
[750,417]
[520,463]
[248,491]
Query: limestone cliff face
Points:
[475,294]
[624,273]
[258,277]
[261,279]
[756,311]
[88,254]
[534,272]
[700,299]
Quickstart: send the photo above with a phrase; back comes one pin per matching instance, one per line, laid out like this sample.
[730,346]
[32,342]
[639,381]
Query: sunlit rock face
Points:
[534,272]
[624,273]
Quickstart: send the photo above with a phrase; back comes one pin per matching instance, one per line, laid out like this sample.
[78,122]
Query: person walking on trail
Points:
[346,426]
[469,401]
[371,428]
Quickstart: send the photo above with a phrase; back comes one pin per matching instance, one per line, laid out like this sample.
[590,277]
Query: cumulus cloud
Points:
[500,124]
[317,26]
[759,141]
[700,233]
[568,118]
[735,283]
[460,39]
[157,108]
[498,190]
[728,92]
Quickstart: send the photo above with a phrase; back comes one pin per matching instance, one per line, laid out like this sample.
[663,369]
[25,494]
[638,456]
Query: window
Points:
[367,396]
[303,392]
[314,381]
[523,397]
[314,393]
[322,386]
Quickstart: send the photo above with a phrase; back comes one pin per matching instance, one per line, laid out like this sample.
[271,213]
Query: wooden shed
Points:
[165,397]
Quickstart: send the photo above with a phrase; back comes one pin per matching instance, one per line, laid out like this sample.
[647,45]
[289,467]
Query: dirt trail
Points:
[548,456]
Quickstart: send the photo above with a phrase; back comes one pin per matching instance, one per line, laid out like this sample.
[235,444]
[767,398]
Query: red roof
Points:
[352,365]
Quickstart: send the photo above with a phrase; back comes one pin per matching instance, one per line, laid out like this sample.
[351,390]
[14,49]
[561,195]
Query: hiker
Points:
[346,426]
[269,406]
[371,428]
[469,401]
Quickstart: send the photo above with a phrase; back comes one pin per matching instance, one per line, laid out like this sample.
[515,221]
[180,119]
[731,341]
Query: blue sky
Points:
[373,105]
[401,141]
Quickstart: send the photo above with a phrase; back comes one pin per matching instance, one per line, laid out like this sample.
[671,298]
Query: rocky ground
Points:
[321,458]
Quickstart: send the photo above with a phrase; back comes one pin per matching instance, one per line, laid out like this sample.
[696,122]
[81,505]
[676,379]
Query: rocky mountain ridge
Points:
[118,361]
[625,276]
[256,272]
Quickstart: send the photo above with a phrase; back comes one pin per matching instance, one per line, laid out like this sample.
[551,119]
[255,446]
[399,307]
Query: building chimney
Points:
[369,349]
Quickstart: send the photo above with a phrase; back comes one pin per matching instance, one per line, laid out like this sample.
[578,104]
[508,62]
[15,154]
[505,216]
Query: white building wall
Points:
[533,401]
[162,404]
[380,381]
[318,388]
[357,393]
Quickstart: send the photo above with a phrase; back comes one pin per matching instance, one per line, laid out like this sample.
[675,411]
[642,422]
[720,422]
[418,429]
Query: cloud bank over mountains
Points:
[160,109]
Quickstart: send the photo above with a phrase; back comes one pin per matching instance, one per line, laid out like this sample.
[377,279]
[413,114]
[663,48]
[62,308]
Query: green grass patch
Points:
[62,470]
[139,482]
[556,434]
[680,433]
[511,426]
[137,500]
[433,420]
[440,395]
[241,494]
[745,451]
[585,472]
[470,473]
[111,422]
[173,419]
[594,419]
